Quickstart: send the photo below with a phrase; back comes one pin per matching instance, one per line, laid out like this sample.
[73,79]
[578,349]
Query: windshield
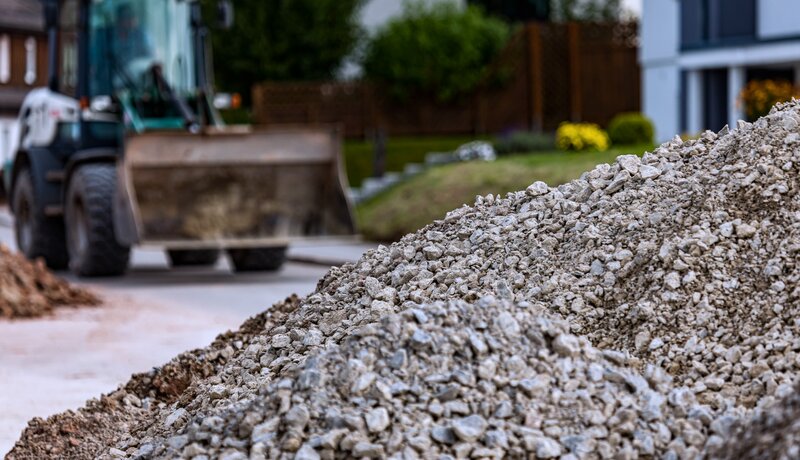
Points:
[129,38]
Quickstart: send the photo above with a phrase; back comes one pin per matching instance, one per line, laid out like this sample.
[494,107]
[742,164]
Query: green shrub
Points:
[524,142]
[238,116]
[581,136]
[439,48]
[630,128]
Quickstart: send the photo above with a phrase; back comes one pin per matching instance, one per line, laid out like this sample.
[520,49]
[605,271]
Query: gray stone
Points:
[377,419]
[470,428]
[306,452]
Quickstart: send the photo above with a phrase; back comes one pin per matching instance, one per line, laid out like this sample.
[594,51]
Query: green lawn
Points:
[429,196]
[359,155]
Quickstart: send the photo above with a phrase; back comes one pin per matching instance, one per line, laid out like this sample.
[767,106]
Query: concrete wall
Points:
[777,18]
[660,30]
[658,56]
[661,99]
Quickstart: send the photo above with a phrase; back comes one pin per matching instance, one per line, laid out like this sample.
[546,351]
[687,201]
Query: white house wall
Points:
[659,31]
[660,86]
[778,18]
[658,56]
[756,54]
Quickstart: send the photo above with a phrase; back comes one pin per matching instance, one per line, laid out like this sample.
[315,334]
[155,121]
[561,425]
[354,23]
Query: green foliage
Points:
[439,49]
[283,40]
[586,10]
[581,136]
[630,128]
[524,142]
[236,116]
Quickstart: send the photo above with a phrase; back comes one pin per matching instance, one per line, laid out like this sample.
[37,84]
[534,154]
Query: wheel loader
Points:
[125,147]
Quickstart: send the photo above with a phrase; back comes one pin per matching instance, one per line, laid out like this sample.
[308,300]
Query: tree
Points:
[586,10]
[438,49]
[284,40]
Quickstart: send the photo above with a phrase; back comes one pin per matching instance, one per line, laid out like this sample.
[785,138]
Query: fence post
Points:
[479,112]
[575,96]
[379,152]
[257,100]
[535,73]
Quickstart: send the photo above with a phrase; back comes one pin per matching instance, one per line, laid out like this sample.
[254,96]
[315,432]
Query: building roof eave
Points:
[758,53]
[21,16]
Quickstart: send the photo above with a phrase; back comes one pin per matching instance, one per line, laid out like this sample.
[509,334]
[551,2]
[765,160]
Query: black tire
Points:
[92,245]
[37,235]
[257,259]
[192,257]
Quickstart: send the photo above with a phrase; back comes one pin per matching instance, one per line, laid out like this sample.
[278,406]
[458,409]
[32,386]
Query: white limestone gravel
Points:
[643,310]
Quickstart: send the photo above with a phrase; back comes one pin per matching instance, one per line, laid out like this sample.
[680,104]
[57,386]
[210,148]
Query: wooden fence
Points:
[547,74]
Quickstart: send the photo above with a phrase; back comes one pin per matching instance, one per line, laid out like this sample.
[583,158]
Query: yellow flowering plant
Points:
[759,96]
[581,136]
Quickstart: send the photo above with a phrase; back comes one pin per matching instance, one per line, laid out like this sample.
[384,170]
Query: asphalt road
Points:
[153,313]
[215,289]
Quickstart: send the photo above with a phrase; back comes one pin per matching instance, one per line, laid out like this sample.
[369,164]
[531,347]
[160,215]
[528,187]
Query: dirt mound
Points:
[28,289]
[680,266]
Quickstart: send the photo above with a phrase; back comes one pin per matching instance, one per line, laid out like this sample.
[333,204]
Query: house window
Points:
[717,22]
[5,59]
[30,61]
[694,22]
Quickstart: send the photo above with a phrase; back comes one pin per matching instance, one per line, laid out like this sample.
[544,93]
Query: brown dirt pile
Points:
[29,290]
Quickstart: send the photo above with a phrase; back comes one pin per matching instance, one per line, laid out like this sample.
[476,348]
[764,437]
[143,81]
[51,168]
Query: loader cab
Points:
[117,68]
[134,66]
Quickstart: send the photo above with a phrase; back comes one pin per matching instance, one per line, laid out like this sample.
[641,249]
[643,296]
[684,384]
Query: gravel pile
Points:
[483,379]
[772,433]
[680,266]
[28,289]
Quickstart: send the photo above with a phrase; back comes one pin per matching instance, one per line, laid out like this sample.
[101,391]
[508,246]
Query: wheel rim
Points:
[78,238]
[24,225]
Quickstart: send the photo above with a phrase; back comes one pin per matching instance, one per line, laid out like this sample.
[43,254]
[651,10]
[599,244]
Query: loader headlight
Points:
[226,101]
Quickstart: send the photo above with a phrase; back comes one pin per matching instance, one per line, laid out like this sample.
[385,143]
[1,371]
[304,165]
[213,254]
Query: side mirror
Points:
[224,14]
[50,13]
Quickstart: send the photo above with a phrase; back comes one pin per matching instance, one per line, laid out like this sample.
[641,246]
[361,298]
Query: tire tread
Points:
[48,239]
[105,256]
[257,259]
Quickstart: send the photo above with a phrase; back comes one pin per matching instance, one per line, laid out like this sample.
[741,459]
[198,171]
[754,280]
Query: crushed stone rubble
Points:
[28,289]
[648,309]
[771,433]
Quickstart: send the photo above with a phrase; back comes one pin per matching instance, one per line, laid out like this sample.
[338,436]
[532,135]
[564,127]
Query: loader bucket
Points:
[233,188]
